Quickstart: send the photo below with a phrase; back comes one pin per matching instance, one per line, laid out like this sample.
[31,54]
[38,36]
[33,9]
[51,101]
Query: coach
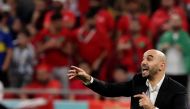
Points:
[151,89]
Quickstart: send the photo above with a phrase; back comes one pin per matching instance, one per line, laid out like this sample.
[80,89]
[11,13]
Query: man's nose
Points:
[143,62]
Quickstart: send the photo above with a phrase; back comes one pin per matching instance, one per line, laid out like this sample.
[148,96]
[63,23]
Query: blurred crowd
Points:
[40,39]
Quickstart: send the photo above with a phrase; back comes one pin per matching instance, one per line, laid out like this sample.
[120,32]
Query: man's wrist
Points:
[89,82]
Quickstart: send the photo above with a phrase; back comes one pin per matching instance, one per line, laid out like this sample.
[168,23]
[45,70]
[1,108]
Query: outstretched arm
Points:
[101,87]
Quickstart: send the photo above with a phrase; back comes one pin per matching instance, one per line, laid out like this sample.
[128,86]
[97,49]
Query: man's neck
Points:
[155,79]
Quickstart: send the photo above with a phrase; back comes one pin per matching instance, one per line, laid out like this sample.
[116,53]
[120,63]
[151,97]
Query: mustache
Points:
[144,66]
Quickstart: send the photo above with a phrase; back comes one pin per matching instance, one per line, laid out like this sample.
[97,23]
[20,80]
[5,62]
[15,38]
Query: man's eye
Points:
[149,59]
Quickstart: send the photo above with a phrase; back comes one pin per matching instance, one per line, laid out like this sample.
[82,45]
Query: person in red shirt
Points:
[43,81]
[132,13]
[54,47]
[104,18]
[141,42]
[130,47]
[125,52]
[93,43]
[159,20]
[50,43]
[68,17]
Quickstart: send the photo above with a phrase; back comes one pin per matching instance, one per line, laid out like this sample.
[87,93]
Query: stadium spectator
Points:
[54,47]
[132,12]
[6,47]
[175,43]
[140,41]
[16,27]
[88,38]
[104,18]
[125,53]
[130,47]
[43,82]
[68,17]
[159,20]
[23,60]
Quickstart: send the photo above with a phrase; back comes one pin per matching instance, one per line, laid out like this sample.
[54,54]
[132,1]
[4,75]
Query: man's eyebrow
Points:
[150,56]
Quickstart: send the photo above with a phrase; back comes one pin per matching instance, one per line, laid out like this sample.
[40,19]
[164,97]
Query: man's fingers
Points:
[71,77]
[72,71]
[139,96]
[144,94]
[70,74]
[144,100]
[75,68]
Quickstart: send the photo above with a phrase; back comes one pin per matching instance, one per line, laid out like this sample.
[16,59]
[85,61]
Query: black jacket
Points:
[171,95]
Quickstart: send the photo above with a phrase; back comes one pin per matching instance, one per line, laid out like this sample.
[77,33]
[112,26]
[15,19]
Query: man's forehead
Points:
[150,53]
[155,53]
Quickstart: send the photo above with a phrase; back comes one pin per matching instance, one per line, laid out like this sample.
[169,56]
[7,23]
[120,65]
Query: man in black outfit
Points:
[151,89]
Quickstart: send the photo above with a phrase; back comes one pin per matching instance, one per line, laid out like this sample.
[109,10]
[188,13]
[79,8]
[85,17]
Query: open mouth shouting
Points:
[145,71]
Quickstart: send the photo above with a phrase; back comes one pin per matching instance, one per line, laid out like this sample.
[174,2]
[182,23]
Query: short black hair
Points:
[92,12]
[25,32]
[56,16]
[3,15]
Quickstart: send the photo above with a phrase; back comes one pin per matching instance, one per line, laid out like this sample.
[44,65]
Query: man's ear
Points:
[162,65]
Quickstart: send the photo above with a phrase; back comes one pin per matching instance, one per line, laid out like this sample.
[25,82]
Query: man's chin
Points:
[145,74]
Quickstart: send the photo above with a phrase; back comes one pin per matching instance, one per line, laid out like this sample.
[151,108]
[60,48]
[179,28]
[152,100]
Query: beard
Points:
[153,71]
[150,72]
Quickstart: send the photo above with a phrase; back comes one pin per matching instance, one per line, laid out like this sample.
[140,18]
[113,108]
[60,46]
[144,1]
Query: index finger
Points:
[76,68]
[139,96]
[143,93]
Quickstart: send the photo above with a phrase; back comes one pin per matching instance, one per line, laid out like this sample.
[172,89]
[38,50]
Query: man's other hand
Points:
[144,101]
